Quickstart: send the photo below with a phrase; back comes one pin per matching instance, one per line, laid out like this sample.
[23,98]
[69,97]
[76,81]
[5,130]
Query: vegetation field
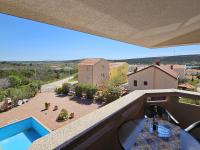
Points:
[20,80]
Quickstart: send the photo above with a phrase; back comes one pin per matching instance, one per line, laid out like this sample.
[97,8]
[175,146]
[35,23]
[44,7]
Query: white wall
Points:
[101,73]
[85,74]
[141,76]
[156,79]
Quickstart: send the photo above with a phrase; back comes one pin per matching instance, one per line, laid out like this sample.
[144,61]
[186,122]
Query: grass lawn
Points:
[190,101]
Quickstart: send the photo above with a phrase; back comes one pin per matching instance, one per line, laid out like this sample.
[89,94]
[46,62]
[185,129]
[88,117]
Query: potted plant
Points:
[47,105]
[55,108]
[71,115]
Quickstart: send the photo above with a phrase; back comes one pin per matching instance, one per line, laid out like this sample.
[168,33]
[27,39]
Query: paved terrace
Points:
[89,129]
[35,107]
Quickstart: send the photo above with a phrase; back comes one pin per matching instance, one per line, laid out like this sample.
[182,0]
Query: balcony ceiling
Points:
[148,23]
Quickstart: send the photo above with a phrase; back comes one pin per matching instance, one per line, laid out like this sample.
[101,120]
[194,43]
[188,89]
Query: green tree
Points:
[14,81]
[116,81]
[112,93]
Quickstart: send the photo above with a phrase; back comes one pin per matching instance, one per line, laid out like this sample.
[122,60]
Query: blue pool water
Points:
[21,134]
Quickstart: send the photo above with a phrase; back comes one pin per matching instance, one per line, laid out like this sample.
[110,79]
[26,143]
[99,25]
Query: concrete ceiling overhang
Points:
[148,23]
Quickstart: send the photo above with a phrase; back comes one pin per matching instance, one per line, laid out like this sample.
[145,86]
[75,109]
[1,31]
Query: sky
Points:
[26,40]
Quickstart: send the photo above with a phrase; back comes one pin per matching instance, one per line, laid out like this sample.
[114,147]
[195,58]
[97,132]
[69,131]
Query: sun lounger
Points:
[20,102]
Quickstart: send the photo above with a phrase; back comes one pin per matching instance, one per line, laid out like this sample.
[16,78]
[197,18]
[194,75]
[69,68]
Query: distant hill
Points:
[180,59]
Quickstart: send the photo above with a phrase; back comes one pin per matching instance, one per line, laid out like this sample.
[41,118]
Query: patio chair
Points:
[25,100]
[20,102]
[71,115]
[192,126]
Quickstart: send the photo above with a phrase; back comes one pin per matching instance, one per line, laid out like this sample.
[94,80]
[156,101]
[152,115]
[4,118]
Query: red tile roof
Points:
[175,66]
[186,85]
[90,61]
[162,68]
[168,70]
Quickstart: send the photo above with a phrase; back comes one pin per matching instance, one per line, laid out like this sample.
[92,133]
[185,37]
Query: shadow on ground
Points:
[61,95]
[84,101]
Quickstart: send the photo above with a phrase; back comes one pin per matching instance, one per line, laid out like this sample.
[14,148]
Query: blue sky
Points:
[22,39]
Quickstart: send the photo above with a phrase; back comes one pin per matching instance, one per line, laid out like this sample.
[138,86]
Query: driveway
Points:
[52,86]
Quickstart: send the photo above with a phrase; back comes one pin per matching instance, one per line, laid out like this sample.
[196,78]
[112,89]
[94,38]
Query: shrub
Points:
[59,90]
[79,90]
[23,92]
[3,95]
[112,93]
[65,88]
[99,97]
[90,91]
[63,115]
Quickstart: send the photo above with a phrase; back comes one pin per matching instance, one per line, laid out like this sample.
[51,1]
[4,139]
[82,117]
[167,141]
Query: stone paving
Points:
[35,107]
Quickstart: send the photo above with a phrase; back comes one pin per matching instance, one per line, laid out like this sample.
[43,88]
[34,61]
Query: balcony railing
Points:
[98,130]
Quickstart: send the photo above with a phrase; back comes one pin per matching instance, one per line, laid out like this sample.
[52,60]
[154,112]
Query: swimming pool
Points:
[20,135]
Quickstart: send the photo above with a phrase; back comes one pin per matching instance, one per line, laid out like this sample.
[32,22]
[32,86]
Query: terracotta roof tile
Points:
[168,70]
[186,85]
[90,61]
[162,68]
[175,66]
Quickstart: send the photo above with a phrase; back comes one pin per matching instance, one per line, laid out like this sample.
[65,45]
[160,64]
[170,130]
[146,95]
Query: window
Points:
[145,83]
[135,83]
[158,98]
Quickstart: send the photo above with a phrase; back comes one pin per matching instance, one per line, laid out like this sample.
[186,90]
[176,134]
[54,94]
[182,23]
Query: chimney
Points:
[157,62]
[172,67]
[135,70]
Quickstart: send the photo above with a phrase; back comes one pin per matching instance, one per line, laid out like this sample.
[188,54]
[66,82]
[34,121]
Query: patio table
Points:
[137,135]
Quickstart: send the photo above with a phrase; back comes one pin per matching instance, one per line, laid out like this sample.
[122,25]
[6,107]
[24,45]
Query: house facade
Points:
[93,71]
[119,70]
[153,77]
